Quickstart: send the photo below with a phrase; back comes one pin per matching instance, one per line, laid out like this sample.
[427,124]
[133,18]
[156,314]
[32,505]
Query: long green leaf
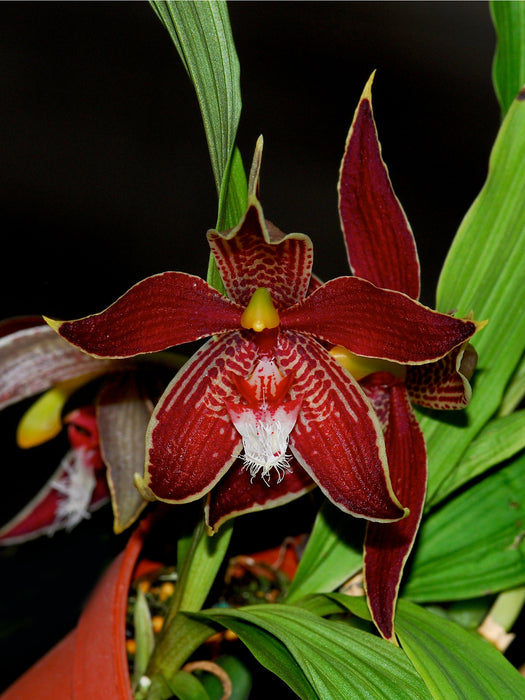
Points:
[484,272]
[515,391]
[330,557]
[202,35]
[338,660]
[453,662]
[499,440]
[508,69]
[474,544]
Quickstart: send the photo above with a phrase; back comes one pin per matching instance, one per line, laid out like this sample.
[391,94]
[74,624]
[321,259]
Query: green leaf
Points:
[453,662]
[508,69]
[144,637]
[484,272]
[499,440]
[186,687]
[474,544]
[336,659]
[200,567]
[202,35]
[515,390]
[330,557]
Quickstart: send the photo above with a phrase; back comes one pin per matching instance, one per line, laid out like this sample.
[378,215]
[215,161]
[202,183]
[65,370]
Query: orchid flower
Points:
[382,250]
[76,489]
[264,400]
[34,360]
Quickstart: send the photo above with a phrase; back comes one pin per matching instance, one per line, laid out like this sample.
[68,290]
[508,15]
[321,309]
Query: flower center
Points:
[265,421]
[260,312]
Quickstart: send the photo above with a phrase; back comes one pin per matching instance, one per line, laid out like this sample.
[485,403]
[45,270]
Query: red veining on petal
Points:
[256,254]
[337,437]
[237,493]
[440,385]
[374,322]
[191,439]
[387,547]
[161,311]
[378,237]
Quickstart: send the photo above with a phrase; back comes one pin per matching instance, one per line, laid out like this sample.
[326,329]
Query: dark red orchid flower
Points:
[35,360]
[382,250]
[76,489]
[264,385]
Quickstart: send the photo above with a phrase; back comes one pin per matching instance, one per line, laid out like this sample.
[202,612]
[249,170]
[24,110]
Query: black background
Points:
[105,179]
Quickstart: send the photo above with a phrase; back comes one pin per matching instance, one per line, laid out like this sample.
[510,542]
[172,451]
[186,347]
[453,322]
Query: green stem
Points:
[507,607]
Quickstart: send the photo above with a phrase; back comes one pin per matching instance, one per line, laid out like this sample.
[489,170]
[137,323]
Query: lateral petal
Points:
[34,358]
[191,441]
[440,385]
[337,438]
[375,322]
[378,237]
[161,311]
[123,413]
[387,546]
[237,493]
[257,254]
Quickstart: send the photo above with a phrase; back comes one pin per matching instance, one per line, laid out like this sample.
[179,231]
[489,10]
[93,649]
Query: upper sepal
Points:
[255,253]
[378,237]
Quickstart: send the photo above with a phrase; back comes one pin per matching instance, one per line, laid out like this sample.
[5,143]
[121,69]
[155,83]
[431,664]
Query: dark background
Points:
[105,179]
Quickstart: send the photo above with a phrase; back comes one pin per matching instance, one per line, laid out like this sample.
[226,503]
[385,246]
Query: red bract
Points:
[263,385]
[381,249]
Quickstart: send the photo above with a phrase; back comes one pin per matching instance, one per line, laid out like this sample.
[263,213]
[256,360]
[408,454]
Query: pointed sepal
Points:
[387,547]
[158,313]
[378,237]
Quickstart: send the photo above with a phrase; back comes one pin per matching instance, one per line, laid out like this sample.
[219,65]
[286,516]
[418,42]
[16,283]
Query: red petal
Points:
[191,441]
[337,437]
[237,493]
[257,254]
[440,385]
[157,313]
[33,359]
[378,237]
[376,322]
[387,546]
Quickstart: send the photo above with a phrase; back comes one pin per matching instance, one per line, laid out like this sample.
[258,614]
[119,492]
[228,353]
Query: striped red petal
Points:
[238,493]
[257,254]
[378,237]
[191,441]
[440,385]
[387,546]
[337,437]
[161,311]
[374,322]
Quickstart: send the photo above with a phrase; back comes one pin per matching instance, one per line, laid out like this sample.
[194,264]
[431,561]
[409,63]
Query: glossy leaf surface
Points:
[453,662]
[484,272]
[474,544]
[322,658]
